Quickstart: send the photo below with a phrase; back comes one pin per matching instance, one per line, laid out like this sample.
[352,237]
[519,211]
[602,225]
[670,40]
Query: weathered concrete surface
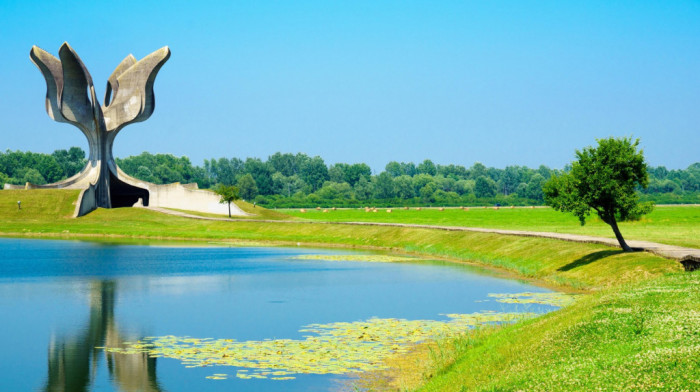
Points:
[85,203]
[71,98]
[184,198]
[187,197]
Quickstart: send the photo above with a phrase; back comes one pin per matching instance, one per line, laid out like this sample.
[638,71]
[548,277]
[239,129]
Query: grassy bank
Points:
[580,266]
[673,225]
[635,337]
[37,206]
[636,331]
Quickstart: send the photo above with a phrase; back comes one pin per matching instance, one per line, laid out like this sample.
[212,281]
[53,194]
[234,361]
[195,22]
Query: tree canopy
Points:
[298,180]
[604,179]
[247,187]
[228,194]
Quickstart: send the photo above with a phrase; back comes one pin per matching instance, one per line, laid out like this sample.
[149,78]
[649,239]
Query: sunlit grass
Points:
[635,337]
[37,205]
[673,225]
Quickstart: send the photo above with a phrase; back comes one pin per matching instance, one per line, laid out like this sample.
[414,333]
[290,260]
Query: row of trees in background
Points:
[17,167]
[298,180]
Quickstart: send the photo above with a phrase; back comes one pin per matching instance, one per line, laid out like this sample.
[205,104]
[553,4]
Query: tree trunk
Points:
[618,235]
[229,210]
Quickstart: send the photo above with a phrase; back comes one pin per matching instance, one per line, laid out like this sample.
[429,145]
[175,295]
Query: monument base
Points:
[177,196]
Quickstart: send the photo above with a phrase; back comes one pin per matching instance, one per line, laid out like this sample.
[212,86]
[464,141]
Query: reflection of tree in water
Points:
[73,359]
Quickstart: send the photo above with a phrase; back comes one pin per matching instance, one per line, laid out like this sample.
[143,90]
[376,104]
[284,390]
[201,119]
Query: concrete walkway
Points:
[689,257]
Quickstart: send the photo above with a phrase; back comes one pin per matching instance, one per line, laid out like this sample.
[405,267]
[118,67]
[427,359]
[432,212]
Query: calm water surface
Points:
[61,299]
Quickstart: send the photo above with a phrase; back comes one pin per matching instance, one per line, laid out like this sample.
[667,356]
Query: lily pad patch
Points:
[355,257]
[334,348]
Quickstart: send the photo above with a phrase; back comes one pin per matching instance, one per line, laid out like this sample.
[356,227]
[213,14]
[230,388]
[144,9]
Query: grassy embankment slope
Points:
[637,330]
[581,266]
[673,225]
[634,337]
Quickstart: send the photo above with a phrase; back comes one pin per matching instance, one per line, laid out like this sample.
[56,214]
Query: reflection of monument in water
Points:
[73,360]
[71,98]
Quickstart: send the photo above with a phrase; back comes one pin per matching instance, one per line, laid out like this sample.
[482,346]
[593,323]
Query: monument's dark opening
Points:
[125,195]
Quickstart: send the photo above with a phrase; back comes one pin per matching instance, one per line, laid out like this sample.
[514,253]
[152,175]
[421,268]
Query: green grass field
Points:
[636,330]
[673,225]
[636,337]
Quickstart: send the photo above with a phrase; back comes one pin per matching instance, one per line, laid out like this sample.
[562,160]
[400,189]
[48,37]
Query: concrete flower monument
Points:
[129,98]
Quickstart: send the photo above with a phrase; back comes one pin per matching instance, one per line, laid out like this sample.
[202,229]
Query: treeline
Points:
[298,180]
[17,167]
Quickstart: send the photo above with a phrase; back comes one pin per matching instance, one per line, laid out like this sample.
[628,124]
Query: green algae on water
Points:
[366,258]
[334,348]
[553,299]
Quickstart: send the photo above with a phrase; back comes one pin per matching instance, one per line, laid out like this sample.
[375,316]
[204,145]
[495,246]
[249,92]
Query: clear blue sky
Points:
[499,82]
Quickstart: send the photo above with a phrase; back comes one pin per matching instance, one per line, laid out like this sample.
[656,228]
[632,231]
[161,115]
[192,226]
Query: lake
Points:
[88,316]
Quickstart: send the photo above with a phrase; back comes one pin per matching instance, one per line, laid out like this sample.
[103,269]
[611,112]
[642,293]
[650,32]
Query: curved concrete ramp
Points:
[189,197]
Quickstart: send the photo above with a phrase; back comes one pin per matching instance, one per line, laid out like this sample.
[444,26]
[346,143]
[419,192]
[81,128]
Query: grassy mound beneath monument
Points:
[37,205]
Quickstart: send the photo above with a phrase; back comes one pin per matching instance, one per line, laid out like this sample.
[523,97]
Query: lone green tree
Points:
[228,193]
[604,179]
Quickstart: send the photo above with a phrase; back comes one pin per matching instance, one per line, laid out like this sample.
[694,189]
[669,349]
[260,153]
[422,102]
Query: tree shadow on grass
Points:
[589,258]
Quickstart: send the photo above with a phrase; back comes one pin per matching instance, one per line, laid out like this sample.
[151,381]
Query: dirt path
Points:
[689,257]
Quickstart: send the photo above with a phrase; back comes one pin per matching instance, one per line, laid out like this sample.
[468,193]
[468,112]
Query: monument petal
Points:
[52,70]
[132,90]
[75,104]
[112,83]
